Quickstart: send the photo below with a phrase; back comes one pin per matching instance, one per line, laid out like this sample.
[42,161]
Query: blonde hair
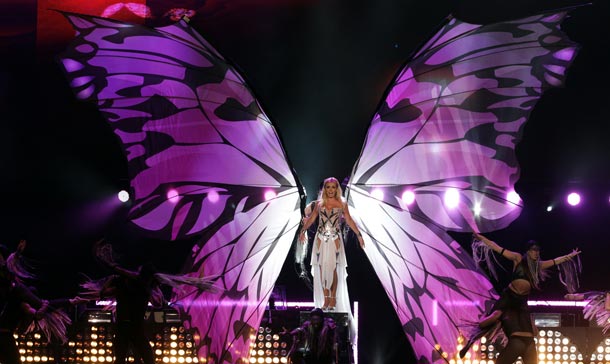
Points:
[322,195]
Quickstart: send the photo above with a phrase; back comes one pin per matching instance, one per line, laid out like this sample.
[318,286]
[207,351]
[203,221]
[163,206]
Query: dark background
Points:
[320,69]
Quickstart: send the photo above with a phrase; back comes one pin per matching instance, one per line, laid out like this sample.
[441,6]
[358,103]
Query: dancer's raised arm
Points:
[508,254]
[545,264]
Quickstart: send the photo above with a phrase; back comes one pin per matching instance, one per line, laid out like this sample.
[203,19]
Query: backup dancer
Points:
[132,291]
[20,307]
[510,311]
[597,309]
[16,263]
[315,342]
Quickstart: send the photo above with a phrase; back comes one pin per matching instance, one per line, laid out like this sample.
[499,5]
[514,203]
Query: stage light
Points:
[270,195]
[549,208]
[408,197]
[92,344]
[377,194]
[269,347]
[452,198]
[553,348]
[123,196]
[213,196]
[477,209]
[513,197]
[173,195]
[573,199]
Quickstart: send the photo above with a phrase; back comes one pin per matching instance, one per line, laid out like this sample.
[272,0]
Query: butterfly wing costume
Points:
[204,160]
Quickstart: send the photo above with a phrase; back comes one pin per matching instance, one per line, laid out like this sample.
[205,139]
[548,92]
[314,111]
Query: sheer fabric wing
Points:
[203,159]
[440,155]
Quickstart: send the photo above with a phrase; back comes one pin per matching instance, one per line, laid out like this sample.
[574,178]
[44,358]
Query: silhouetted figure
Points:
[315,342]
[18,306]
[132,291]
[511,311]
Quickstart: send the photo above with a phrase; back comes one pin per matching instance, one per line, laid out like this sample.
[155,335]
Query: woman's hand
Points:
[39,314]
[478,236]
[574,253]
[302,237]
[574,296]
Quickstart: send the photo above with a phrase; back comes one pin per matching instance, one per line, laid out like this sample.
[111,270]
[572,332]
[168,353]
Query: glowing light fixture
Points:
[377,194]
[574,199]
[270,195]
[123,196]
[408,197]
[173,195]
[213,196]
[452,198]
[513,197]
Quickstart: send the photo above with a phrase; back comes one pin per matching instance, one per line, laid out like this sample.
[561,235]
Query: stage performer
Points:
[20,307]
[511,311]
[597,309]
[132,291]
[315,342]
[328,262]
[16,262]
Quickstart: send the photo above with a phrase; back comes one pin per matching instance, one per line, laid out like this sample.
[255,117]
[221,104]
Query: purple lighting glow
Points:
[408,197]
[513,197]
[173,195]
[435,313]
[377,194]
[558,303]
[213,196]
[565,54]
[452,198]
[270,195]
[477,209]
[573,199]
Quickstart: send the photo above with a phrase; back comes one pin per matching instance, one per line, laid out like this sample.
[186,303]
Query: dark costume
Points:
[12,295]
[133,291]
[515,318]
[132,296]
[315,343]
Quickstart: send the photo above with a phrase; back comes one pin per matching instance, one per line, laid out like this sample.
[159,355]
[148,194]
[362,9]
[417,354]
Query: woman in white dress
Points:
[328,263]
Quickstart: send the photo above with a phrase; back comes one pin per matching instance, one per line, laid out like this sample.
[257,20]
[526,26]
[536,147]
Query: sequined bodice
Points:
[329,220]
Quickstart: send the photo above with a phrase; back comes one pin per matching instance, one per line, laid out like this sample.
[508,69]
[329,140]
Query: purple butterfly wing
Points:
[440,155]
[203,160]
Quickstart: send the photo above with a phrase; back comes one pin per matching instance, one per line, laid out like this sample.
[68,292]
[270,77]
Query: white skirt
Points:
[326,258]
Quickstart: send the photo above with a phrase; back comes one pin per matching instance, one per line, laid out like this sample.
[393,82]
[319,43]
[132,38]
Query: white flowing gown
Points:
[328,255]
